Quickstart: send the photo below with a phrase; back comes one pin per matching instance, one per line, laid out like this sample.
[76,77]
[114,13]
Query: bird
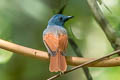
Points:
[55,39]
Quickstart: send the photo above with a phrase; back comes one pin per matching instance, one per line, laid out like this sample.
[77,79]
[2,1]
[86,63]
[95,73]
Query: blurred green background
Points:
[23,21]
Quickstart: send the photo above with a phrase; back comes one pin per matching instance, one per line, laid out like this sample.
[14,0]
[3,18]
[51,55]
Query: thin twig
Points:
[84,64]
[78,53]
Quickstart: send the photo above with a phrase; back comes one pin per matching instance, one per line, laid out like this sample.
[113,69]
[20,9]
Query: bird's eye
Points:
[60,18]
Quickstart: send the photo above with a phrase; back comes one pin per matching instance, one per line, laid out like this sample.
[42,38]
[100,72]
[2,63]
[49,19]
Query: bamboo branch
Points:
[73,61]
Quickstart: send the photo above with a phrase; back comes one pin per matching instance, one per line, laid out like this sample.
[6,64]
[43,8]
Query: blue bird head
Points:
[59,20]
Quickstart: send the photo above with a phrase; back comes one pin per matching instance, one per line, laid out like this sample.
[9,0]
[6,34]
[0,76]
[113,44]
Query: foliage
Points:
[23,21]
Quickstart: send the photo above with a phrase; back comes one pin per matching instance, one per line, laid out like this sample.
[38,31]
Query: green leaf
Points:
[5,33]
[4,56]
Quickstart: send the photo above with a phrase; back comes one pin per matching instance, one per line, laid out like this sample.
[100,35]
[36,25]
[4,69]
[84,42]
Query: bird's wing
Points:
[55,43]
[51,43]
[63,42]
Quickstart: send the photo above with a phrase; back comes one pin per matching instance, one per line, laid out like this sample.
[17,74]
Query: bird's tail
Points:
[57,63]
